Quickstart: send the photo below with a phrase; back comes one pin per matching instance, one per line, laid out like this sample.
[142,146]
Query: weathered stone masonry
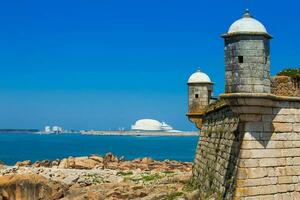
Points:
[249,148]
[249,145]
[217,151]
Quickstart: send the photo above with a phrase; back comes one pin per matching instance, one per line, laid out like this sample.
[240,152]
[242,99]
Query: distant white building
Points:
[151,125]
[53,129]
[48,129]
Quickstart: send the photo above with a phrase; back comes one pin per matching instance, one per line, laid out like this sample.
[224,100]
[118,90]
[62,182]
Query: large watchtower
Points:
[247,56]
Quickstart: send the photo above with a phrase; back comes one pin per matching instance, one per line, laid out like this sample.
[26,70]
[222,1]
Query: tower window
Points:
[196,96]
[266,60]
[241,59]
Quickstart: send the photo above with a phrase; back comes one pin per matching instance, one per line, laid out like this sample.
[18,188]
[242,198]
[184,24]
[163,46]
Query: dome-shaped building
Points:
[200,91]
[150,125]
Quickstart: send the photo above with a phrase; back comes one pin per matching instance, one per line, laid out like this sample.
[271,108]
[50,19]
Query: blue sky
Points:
[105,64]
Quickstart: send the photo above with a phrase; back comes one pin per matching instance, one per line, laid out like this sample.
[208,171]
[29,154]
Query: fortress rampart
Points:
[249,145]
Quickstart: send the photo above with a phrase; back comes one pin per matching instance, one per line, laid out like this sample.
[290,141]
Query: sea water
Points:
[22,146]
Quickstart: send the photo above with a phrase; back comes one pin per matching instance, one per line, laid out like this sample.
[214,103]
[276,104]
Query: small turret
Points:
[200,90]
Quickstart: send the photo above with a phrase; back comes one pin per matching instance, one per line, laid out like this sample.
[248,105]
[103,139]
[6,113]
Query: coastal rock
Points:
[63,163]
[96,158]
[78,163]
[109,157]
[30,187]
[84,163]
[147,160]
[55,163]
[44,163]
[2,165]
[24,163]
[71,179]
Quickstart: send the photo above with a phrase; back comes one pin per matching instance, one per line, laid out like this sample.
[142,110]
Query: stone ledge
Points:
[259,96]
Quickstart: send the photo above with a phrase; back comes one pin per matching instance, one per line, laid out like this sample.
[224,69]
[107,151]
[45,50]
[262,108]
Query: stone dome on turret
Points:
[247,25]
[199,77]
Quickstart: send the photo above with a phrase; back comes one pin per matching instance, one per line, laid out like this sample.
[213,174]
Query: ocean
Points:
[23,146]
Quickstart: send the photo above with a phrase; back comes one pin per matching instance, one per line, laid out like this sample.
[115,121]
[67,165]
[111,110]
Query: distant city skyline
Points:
[106,64]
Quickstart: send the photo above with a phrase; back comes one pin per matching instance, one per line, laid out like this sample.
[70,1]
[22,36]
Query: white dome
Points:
[199,77]
[247,24]
[147,125]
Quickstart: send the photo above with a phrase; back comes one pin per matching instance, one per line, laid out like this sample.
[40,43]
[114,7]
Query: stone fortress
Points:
[249,145]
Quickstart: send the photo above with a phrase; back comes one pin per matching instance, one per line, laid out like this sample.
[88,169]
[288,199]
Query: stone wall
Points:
[250,148]
[285,86]
[217,151]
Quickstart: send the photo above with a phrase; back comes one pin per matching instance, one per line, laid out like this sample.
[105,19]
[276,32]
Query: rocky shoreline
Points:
[97,177]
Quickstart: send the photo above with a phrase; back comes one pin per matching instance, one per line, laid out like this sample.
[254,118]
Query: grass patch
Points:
[173,196]
[94,179]
[124,173]
[168,172]
[150,177]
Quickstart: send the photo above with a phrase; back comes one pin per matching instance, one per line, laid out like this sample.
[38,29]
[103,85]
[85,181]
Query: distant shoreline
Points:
[138,133]
[110,133]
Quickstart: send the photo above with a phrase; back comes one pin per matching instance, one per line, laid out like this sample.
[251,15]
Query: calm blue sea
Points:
[17,146]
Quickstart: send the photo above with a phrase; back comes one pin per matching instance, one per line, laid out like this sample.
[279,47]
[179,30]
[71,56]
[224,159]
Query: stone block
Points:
[240,192]
[257,182]
[296,127]
[275,145]
[271,162]
[261,197]
[254,126]
[250,117]
[292,170]
[281,105]
[283,127]
[284,118]
[295,195]
[267,118]
[297,187]
[283,196]
[263,153]
[285,179]
[251,145]
[256,172]
[248,163]
[296,160]
[292,152]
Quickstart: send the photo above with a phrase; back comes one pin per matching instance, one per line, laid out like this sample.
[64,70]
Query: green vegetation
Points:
[150,177]
[173,196]
[124,173]
[145,177]
[168,172]
[190,186]
[94,179]
[291,72]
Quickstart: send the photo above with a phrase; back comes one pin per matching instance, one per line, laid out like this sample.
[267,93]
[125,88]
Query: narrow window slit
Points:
[241,59]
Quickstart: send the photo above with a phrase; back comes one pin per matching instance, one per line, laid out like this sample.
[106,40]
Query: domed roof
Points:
[199,77]
[147,125]
[247,24]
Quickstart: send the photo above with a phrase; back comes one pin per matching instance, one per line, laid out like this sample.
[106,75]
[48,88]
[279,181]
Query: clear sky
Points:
[104,64]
